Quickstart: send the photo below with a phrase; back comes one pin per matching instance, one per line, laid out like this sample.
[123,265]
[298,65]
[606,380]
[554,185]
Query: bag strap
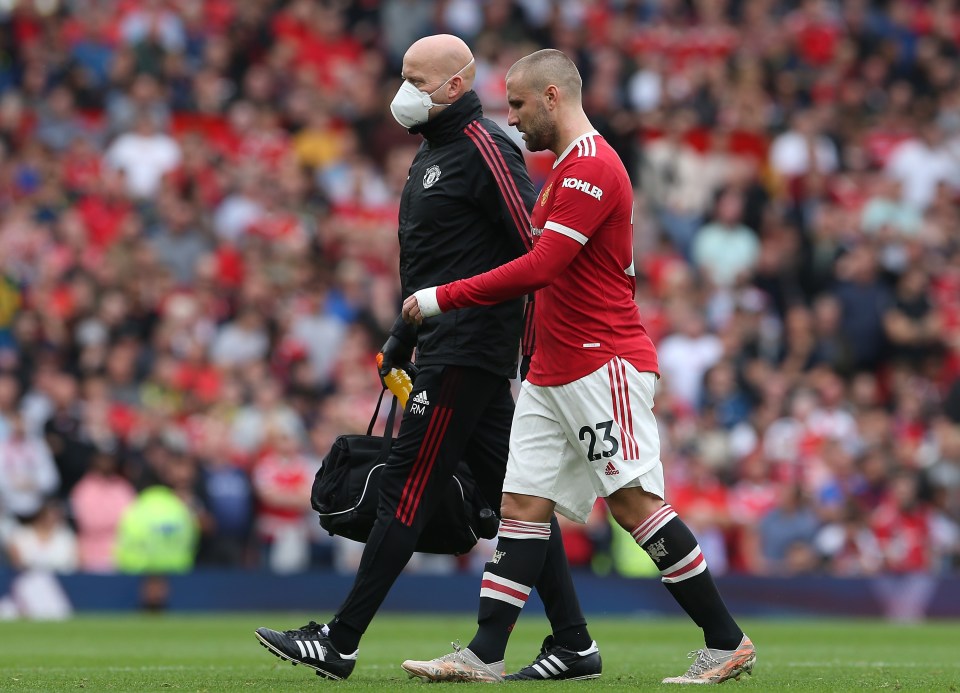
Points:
[388,430]
[376,411]
[391,418]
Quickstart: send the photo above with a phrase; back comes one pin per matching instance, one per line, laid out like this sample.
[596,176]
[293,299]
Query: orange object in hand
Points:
[397,381]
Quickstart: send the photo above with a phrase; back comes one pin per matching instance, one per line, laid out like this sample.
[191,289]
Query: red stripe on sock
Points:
[522,523]
[645,526]
[496,587]
[517,527]
[687,568]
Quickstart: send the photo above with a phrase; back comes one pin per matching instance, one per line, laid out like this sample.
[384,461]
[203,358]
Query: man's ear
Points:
[551,96]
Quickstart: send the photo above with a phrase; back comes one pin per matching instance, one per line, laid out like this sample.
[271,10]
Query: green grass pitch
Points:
[213,652]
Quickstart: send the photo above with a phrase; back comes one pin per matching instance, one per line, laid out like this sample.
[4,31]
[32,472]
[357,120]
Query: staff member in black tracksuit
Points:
[464,210]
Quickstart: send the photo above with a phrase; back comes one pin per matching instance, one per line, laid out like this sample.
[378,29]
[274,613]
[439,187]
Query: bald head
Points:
[541,69]
[432,60]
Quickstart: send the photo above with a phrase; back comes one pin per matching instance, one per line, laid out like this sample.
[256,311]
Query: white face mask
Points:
[411,107]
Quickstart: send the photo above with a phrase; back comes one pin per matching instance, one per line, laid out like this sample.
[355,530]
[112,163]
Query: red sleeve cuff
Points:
[445,296]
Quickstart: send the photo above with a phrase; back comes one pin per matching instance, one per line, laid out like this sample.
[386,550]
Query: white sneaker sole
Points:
[432,674]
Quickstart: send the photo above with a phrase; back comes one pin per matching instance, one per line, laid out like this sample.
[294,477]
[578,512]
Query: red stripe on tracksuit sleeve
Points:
[528,341]
[511,194]
[501,172]
[498,166]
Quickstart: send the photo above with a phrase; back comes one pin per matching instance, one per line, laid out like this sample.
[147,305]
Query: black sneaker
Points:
[310,647]
[555,663]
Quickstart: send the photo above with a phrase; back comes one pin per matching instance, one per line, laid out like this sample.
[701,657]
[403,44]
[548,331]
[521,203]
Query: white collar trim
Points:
[572,145]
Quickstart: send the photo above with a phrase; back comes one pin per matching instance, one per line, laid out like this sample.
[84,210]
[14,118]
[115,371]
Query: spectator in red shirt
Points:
[902,528]
[282,479]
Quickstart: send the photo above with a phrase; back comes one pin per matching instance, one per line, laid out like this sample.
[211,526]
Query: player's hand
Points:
[422,304]
[411,310]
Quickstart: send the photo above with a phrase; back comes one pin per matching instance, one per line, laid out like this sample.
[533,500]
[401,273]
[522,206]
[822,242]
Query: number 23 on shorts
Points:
[609,445]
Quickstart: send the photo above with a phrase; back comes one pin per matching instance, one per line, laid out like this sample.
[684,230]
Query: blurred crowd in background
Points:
[198,263]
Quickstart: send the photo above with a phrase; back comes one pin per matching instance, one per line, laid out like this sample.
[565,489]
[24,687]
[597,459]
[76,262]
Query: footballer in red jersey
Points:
[581,268]
[583,425]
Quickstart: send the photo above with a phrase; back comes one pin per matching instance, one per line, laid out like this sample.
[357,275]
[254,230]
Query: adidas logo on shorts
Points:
[421,398]
[611,470]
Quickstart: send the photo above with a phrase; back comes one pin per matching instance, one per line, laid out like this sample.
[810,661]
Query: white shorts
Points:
[572,443]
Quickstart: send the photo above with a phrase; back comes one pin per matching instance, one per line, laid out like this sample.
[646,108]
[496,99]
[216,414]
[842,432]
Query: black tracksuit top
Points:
[465,210]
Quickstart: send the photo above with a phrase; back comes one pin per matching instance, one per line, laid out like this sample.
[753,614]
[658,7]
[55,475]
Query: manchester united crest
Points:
[657,550]
[431,176]
[545,195]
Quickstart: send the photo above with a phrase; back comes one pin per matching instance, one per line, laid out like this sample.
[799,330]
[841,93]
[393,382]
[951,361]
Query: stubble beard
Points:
[541,134]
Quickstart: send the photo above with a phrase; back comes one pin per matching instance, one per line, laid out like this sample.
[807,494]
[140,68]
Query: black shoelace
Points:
[312,629]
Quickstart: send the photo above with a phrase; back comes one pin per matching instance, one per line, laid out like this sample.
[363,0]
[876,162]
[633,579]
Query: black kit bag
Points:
[347,488]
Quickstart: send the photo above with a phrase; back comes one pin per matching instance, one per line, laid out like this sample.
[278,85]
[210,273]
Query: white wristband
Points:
[427,300]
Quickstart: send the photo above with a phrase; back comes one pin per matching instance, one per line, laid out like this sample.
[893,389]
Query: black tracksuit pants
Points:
[454,413]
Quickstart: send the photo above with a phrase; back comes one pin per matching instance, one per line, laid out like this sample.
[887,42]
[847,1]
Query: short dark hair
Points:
[546,67]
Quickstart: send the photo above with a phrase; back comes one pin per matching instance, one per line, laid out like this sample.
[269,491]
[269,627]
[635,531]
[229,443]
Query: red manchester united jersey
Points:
[581,268]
